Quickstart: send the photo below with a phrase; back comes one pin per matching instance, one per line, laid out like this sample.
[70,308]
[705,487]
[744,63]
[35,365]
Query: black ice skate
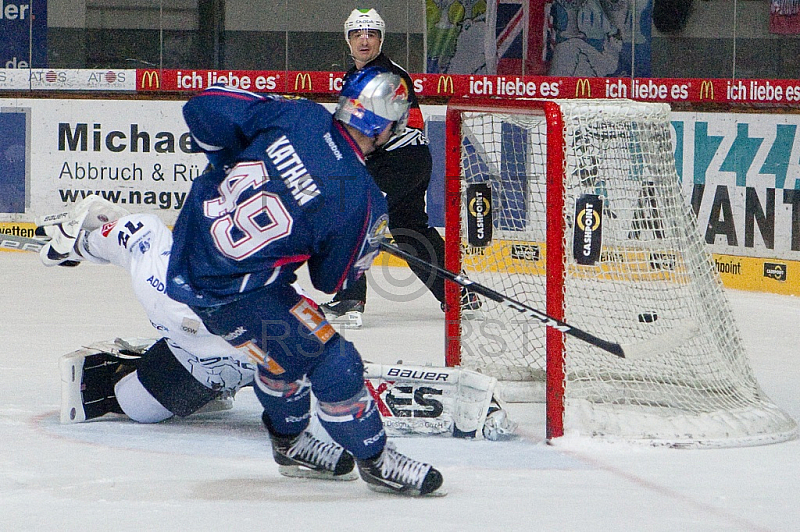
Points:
[334,309]
[305,456]
[471,305]
[346,311]
[392,472]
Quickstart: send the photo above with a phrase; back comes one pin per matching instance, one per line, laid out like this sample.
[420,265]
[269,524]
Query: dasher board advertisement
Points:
[135,153]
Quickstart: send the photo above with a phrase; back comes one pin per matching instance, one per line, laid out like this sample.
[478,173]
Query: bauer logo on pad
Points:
[479,214]
[588,236]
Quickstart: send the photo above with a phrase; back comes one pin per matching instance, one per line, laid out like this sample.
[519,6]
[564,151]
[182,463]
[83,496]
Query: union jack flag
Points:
[519,30]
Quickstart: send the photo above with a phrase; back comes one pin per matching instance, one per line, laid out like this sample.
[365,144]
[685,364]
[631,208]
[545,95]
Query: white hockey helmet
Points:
[371,99]
[364,19]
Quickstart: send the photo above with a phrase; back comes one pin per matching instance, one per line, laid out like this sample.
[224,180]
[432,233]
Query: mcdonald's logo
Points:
[706,90]
[150,79]
[445,85]
[583,89]
[301,79]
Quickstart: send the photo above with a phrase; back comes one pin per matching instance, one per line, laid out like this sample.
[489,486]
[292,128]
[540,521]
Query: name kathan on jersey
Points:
[292,170]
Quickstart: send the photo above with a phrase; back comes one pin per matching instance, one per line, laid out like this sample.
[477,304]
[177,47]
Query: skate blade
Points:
[295,471]
[349,320]
[471,315]
[411,493]
[220,404]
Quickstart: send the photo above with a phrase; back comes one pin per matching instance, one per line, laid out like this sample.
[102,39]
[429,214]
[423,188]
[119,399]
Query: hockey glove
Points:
[65,241]
[67,232]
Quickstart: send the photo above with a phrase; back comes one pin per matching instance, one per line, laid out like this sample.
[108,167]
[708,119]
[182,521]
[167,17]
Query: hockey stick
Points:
[684,331]
[548,321]
[21,243]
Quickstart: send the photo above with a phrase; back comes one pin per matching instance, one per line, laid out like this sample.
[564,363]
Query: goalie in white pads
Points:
[182,372]
[188,370]
[432,400]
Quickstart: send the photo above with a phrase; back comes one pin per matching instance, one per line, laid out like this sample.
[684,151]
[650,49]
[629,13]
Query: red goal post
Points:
[554,308]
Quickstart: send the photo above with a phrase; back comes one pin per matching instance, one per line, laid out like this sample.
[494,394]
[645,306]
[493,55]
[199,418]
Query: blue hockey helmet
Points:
[371,99]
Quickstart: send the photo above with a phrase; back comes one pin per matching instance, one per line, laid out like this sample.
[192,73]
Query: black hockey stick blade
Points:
[548,321]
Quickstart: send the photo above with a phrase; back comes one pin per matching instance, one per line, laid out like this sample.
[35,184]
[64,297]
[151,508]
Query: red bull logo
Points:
[401,92]
[355,107]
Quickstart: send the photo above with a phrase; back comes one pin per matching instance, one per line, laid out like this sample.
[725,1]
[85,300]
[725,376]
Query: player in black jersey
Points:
[402,170]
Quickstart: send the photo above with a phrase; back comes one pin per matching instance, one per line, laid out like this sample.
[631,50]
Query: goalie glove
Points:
[65,243]
[67,232]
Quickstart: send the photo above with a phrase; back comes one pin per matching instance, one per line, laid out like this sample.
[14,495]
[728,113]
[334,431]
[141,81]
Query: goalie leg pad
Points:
[170,383]
[88,377]
[426,400]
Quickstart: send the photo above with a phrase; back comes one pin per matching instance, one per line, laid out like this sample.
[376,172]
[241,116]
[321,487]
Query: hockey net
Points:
[575,208]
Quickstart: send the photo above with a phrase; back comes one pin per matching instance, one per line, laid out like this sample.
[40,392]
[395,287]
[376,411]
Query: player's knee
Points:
[137,403]
[359,406]
[285,390]
[339,373]
[170,383]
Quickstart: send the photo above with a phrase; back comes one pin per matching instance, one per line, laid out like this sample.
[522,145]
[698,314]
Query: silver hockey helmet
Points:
[371,99]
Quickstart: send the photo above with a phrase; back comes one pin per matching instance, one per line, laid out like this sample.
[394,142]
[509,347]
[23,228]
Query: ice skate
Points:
[471,305]
[393,472]
[346,312]
[305,456]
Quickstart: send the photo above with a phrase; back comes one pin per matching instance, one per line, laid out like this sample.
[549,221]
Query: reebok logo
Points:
[235,334]
[378,436]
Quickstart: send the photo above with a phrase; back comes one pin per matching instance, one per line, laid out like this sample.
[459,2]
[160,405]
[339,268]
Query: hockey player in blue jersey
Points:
[290,187]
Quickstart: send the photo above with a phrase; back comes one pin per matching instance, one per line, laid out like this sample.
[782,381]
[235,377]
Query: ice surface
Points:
[215,472]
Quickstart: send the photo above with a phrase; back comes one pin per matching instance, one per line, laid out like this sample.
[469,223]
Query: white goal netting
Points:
[631,267]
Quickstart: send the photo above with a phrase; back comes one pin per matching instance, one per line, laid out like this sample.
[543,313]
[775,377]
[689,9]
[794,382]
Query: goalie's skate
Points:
[305,456]
[471,305]
[222,402]
[392,472]
[87,384]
